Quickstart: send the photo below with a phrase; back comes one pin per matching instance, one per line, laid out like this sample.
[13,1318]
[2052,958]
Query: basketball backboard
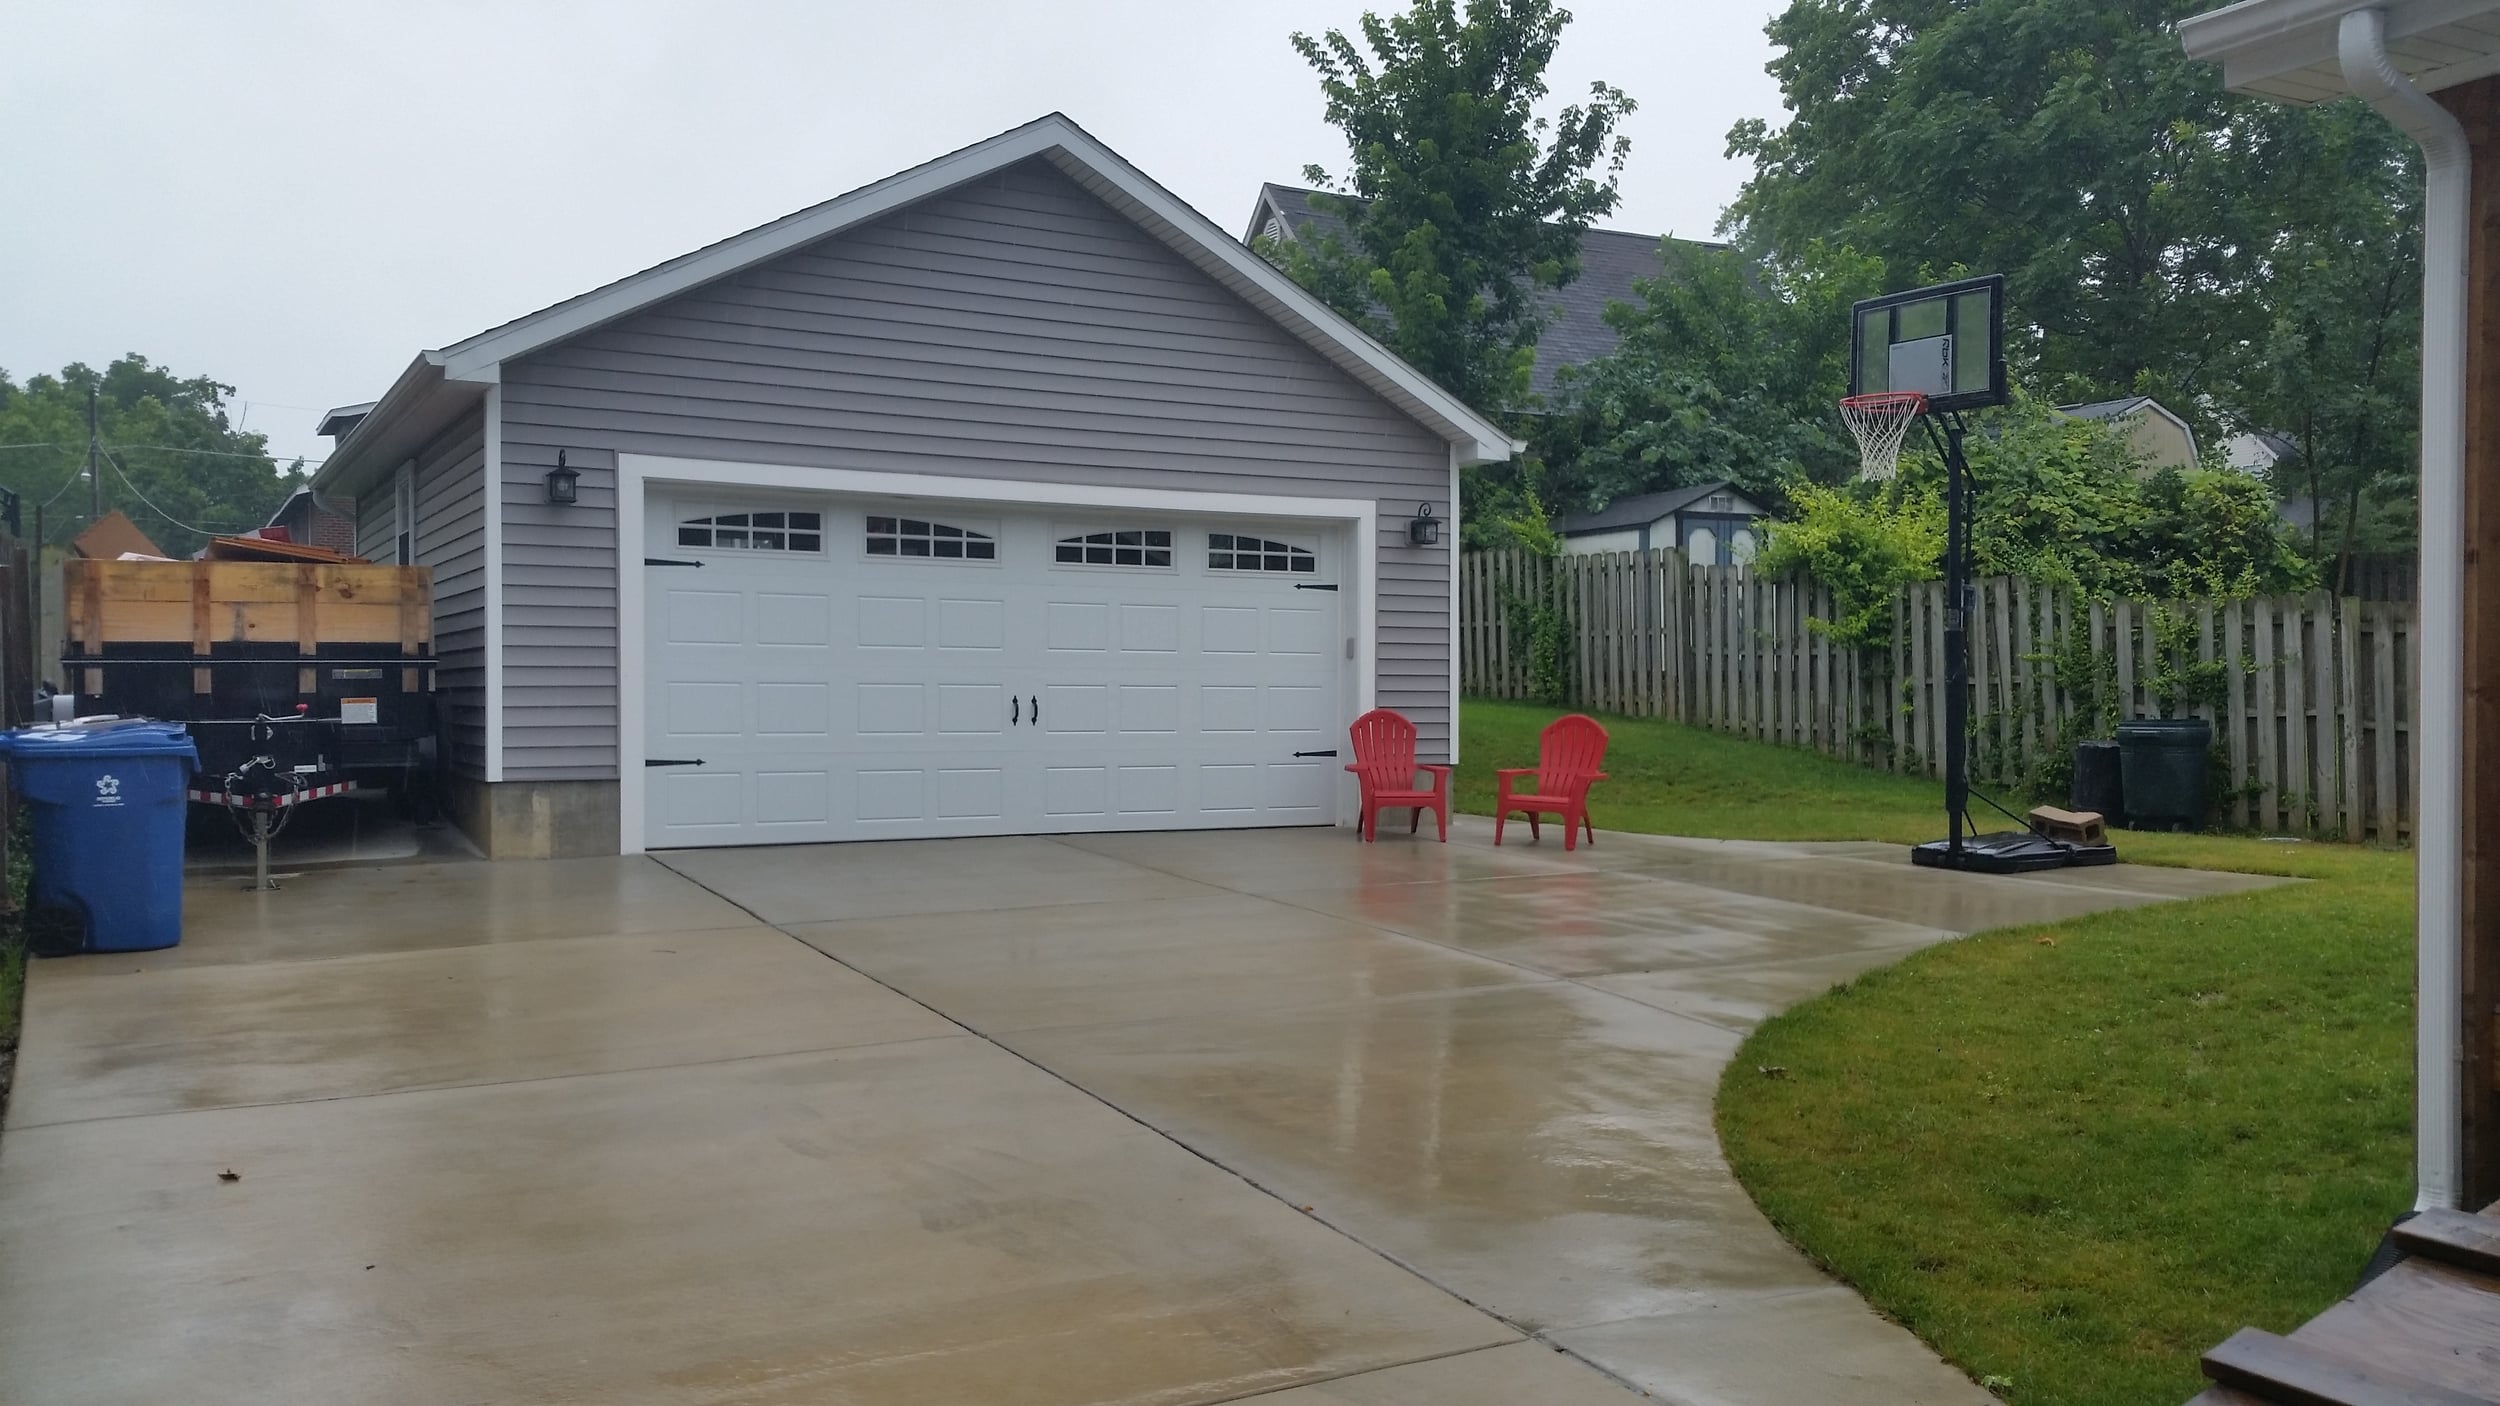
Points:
[1946,342]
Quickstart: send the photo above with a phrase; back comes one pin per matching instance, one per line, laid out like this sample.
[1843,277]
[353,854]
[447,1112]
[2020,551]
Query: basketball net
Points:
[1880,421]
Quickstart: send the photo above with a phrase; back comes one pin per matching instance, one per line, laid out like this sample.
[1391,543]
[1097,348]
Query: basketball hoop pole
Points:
[1957,608]
[1929,354]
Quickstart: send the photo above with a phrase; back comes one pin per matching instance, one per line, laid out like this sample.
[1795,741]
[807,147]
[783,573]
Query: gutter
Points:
[2361,43]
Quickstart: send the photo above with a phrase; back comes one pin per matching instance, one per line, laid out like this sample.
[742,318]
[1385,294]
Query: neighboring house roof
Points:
[343,420]
[440,385]
[299,495]
[111,536]
[2126,407]
[2255,451]
[1641,509]
[1575,334]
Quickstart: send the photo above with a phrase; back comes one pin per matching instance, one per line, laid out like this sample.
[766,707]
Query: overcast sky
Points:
[296,198]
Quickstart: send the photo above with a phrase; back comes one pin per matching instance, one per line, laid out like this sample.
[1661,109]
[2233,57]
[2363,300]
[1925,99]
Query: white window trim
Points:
[1359,517]
[404,513]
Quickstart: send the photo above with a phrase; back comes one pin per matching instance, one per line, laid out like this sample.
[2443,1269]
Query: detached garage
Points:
[1008,495]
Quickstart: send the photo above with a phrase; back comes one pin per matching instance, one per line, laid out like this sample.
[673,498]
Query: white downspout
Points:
[2439,745]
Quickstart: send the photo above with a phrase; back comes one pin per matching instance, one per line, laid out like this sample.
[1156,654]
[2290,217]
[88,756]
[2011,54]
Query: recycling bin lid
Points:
[120,737]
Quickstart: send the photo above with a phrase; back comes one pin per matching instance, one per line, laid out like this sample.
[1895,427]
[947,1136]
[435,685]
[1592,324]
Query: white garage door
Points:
[827,669]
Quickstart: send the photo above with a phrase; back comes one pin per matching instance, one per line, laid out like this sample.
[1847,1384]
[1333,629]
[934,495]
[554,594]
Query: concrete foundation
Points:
[536,819]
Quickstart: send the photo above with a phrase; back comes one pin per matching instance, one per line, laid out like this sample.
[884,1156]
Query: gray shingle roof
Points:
[2106,409]
[1576,330]
[1636,510]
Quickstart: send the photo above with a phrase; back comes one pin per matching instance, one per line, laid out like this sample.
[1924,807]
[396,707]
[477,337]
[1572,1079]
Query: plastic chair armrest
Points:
[1440,776]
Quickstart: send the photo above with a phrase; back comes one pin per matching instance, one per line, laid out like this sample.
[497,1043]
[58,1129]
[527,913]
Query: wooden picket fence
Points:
[2310,697]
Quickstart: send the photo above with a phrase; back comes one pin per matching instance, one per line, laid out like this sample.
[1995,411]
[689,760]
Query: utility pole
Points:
[95,486]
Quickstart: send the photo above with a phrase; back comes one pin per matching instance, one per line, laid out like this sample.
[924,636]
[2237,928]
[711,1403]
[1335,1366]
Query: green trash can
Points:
[2161,770]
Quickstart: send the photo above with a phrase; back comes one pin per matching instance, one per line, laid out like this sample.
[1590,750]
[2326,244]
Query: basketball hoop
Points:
[1880,421]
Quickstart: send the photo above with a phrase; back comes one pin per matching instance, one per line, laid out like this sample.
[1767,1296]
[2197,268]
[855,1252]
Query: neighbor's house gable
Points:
[1013,328]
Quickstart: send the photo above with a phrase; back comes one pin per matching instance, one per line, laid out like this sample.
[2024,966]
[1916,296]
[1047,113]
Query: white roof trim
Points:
[2285,49]
[1069,147]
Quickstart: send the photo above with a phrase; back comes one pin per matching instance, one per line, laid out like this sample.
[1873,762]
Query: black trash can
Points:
[2161,765]
[2097,785]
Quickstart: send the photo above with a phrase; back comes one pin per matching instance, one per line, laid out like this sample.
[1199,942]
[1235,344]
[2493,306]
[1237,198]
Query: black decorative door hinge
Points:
[1315,585]
[672,761]
[668,561]
[1329,753]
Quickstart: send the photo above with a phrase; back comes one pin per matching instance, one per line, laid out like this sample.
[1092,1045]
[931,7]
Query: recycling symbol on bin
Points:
[108,790]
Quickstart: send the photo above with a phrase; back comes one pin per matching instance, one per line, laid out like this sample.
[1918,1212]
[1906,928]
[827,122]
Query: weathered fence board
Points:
[2309,697]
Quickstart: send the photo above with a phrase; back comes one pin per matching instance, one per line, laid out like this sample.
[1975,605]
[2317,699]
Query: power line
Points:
[66,485]
[218,453]
[124,475]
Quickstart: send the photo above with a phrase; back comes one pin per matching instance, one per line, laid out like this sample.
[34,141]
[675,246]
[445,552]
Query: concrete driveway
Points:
[1153,1118]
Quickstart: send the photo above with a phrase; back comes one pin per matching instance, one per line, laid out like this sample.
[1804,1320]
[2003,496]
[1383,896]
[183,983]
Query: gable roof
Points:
[1575,331]
[1639,509]
[439,385]
[2107,409]
[2131,405]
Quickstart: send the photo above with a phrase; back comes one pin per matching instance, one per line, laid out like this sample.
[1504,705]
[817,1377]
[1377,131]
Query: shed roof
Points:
[1639,509]
[440,385]
[1576,333]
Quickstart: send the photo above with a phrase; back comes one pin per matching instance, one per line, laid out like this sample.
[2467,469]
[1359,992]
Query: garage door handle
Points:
[1015,710]
[1329,753]
[672,761]
[1037,710]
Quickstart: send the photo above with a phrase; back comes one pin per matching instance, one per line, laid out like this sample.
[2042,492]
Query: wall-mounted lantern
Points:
[563,484]
[1425,530]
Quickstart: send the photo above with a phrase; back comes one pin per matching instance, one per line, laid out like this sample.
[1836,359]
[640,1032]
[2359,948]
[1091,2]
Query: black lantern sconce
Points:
[1425,530]
[564,485]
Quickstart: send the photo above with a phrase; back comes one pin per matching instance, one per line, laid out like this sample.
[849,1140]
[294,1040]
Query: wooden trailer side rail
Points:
[208,603]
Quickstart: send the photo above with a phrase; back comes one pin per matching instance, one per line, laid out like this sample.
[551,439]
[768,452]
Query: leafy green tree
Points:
[2252,265]
[2057,500]
[2067,143]
[2335,368]
[1725,371]
[1461,207]
[2069,502]
[1863,543]
[1460,203]
[172,460]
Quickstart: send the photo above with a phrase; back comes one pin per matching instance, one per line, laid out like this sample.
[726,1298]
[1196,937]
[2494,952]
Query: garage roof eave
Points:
[421,404]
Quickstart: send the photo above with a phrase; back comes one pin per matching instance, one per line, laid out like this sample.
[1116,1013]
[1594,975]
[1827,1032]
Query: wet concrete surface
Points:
[1154,1118]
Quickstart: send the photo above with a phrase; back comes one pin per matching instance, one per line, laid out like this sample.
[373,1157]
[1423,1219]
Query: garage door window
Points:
[918,537]
[1233,551]
[755,532]
[1142,546]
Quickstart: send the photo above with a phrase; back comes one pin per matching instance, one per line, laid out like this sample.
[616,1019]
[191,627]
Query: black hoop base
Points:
[2010,852]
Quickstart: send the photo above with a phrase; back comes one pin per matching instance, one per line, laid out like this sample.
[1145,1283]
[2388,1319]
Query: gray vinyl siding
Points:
[1016,328]
[377,523]
[450,538]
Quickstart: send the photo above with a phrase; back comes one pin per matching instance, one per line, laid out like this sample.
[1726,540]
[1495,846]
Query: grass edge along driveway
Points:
[2071,1157]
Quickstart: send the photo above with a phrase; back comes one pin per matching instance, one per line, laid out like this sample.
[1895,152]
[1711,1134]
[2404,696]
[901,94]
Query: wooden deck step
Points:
[2469,1242]
[2277,1369]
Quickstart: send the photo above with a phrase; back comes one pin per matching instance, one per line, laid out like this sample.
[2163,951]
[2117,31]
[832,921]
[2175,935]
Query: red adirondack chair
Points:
[1384,761]
[1569,753]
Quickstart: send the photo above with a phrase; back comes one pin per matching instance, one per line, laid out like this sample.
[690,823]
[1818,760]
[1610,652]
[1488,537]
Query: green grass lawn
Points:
[2072,1157]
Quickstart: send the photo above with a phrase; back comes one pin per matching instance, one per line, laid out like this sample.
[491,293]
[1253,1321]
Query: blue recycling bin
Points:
[106,802]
